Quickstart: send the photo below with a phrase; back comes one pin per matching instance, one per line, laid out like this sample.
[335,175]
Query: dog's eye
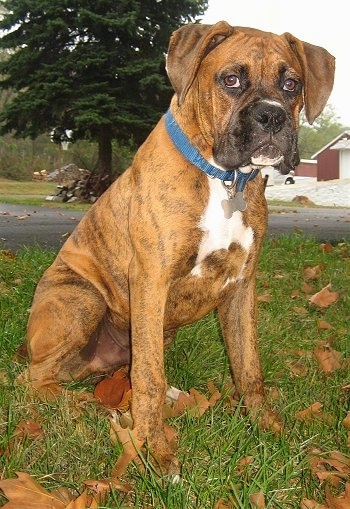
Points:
[290,85]
[232,81]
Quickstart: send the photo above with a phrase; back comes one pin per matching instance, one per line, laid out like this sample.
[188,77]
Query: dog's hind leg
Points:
[65,317]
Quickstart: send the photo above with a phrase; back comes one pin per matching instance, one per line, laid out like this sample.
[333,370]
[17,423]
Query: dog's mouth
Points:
[266,155]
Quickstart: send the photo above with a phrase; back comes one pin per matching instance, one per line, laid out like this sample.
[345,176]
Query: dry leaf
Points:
[327,247]
[257,500]
[324,297]
[307,288]
[307,503]
[131,448]
[312,412]
[332,468]
[114,392]
[26,493]
[264,298]
[84,501]
[322,324]
[28,429]
[223,504]
[299,310]
[294,294]
[243,463]
[312,272]
[342,502]
[328,359]
[298,367]
[346,421]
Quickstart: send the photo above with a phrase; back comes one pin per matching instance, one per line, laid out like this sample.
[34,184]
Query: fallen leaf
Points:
[333,467]
[257,500]
[299,310]
[264,298]
[342,502]
[307,503]
[28,429]
[322,324]
[298,367]
[312,412]
[84,501]
[327,247]
[346,421]
[324,297]
[311,273]
[114,392]
[327,358]
[294,294]
[243,463]
[223,504]
[307,288]
[131,447]
[25,493]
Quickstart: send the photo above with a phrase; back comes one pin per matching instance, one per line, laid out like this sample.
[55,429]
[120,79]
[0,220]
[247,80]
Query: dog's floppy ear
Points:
[318,67]
[187,48]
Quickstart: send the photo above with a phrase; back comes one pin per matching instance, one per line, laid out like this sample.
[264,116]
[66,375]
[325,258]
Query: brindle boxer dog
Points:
[179,233]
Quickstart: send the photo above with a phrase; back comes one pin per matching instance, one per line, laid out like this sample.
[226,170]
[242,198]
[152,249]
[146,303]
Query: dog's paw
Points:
[270,420]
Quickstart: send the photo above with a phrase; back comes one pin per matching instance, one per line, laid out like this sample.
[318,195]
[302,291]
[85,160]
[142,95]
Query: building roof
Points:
[345,135]
[342,144]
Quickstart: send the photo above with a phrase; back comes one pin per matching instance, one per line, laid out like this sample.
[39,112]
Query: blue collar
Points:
[186,148]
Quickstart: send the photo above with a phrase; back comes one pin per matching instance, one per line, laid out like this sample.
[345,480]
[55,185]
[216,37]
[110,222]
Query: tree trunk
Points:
[104,140]
[100,180]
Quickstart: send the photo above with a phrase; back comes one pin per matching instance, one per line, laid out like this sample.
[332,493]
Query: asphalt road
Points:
[48,228]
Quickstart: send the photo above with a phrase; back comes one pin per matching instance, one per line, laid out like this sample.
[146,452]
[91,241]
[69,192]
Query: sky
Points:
[324,24]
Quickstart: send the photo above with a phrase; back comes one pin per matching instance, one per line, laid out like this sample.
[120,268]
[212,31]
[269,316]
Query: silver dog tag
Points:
[233,203]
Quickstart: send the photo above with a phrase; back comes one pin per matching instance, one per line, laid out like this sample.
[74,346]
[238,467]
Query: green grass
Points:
[76,443]
[33,193]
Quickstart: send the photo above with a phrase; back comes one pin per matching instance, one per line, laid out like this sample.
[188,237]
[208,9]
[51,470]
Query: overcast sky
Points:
[321,23]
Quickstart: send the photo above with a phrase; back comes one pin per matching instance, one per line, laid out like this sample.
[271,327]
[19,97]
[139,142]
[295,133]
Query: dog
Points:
[178,234]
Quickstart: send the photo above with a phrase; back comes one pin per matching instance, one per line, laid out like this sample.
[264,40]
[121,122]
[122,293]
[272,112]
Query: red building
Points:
[333,160]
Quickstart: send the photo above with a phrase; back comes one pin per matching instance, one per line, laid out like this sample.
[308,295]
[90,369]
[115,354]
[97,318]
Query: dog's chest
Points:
[221,234]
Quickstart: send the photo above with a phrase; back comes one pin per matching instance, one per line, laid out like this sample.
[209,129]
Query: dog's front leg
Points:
[238,319]
[148,291]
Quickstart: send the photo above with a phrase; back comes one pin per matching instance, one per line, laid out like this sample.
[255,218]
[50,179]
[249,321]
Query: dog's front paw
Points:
[270,420]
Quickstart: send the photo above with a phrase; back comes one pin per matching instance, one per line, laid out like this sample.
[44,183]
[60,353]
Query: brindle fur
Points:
[123,278]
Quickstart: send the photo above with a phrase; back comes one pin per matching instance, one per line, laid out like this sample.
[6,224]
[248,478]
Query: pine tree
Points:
[95,67]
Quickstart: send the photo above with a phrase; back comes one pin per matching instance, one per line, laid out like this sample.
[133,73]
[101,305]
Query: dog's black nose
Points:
[271,117]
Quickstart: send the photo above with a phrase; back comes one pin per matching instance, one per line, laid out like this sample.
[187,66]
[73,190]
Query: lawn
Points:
[227,462]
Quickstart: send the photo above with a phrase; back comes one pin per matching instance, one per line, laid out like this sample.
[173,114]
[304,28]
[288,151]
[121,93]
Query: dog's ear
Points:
[318,67]
[187,48]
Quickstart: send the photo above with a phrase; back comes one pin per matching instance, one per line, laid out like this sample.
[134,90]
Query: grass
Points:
[76,444]
[33,193]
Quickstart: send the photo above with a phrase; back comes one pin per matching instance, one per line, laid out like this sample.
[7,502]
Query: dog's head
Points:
[246,88]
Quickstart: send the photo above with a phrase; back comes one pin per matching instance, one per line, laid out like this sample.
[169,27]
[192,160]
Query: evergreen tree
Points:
[95,67]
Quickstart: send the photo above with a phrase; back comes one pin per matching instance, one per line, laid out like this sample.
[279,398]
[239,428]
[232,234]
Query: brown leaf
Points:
[322,324]
[342,502]
[28,429]
[307,503]
[312,272]
[299,310]
[320,466]
[346,421]
[312,412]
[243,463]
[223,504]
[324,297]
[26,493]
[298,367]
[264,298]
[84,501]
[307,288]
[114,392]
[327,247]
[328,359]
[294,294]
[257,500]
[102,486]
[131,447]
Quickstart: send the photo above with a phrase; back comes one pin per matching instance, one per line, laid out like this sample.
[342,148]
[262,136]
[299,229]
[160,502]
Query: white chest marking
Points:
[219,232]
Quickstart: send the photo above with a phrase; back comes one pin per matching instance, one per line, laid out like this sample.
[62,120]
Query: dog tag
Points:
[239,202]
[233,203]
